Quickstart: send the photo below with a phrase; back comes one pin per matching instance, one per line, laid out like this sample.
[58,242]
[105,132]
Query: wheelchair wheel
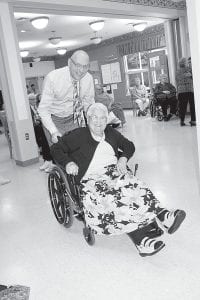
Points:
[61,200]
[89,236]
[160,117]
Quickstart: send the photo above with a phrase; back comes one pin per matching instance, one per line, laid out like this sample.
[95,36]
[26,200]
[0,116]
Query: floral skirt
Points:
[115,204]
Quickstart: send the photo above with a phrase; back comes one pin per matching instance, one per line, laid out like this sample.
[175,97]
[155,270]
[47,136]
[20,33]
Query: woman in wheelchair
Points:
[114,200]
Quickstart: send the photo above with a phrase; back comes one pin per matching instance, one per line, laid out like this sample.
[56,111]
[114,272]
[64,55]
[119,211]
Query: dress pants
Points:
[64,125]
[183,99]
[42,142]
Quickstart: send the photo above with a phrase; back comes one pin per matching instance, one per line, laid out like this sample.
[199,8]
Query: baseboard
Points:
[27,162]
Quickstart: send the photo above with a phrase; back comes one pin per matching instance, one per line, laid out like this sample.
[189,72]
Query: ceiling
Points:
[74,30]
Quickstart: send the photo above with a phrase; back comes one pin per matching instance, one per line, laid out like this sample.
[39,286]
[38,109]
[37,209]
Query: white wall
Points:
[193,8]
[38,69]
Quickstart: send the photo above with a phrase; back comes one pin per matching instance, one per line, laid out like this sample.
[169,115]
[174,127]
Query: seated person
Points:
[139,91]
[114,200]
[165,93]
[40,135]
[108,101]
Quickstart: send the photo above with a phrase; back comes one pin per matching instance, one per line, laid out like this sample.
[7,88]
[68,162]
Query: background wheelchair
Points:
[156,109]
[66,200]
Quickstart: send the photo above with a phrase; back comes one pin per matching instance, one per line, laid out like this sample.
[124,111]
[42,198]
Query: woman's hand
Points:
[121,165]
[72,168]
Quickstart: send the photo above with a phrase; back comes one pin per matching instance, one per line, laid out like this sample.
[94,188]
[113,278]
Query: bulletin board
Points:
[111,73]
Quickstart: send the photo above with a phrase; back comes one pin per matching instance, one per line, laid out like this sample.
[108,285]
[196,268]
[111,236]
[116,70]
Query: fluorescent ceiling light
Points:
[36,59]
[40,22]
[29,44]
[61,51]
[140,26]
[97,25]
[24,53]
[96,40]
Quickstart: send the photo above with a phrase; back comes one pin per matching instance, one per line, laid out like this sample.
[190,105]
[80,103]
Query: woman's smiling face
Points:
[97,122]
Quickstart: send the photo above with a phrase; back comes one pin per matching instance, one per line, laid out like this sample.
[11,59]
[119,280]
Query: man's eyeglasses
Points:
[79,66]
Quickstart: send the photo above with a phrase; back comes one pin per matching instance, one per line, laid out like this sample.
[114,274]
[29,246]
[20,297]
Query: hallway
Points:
[57,264]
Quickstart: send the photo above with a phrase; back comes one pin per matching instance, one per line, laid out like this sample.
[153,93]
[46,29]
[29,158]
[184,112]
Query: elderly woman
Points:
[140,92]
[114,200]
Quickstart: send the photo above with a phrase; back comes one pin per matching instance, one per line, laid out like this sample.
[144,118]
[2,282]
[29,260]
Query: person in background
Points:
[66,95]
[40,135]
[139,92]
[33,89]
[117,109]
[185,91]
[114,200]
[165,93]
[103,97]
[28,90]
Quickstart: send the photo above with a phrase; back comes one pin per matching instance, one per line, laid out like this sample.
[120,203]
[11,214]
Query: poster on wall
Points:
[111,73]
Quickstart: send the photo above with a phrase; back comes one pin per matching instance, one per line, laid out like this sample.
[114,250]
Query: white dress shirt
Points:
[57,96]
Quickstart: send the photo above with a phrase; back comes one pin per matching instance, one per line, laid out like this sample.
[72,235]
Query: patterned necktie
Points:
[35,114]
[77,107]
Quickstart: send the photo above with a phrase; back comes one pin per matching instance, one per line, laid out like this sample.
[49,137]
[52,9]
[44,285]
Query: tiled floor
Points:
[58,264]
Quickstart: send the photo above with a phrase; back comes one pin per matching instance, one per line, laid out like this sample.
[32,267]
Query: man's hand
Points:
[54,137]
[121,165]
[72,168]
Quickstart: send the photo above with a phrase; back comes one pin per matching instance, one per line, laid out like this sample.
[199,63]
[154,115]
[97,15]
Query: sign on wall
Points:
[111,73]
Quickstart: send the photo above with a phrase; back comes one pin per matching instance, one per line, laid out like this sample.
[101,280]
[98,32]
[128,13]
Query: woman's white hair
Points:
[97,106]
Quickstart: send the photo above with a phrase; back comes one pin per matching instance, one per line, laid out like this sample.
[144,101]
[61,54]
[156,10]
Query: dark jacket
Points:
[79,146]
[159,88]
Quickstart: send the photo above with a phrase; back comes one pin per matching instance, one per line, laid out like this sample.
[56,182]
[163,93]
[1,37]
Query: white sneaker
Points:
[148,246]
[45,165]
[173,219]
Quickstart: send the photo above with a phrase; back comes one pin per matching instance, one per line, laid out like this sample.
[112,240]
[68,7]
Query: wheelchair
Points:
[156,109]
[66,202]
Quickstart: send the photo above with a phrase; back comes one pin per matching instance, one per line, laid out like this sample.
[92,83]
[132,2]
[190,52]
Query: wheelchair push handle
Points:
[135,170]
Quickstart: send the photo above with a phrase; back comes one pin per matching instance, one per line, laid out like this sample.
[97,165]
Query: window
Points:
[146,65]
[136,65]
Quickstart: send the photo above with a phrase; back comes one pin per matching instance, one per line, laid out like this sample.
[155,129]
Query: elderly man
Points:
[165,93]
[66,95]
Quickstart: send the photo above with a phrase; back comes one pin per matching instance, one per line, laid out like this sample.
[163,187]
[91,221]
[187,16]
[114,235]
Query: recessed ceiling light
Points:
[40,22]
[97,25]
[24,53]
[61,51]
[55,40]
[23,30]
[140,26]
[96,40]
